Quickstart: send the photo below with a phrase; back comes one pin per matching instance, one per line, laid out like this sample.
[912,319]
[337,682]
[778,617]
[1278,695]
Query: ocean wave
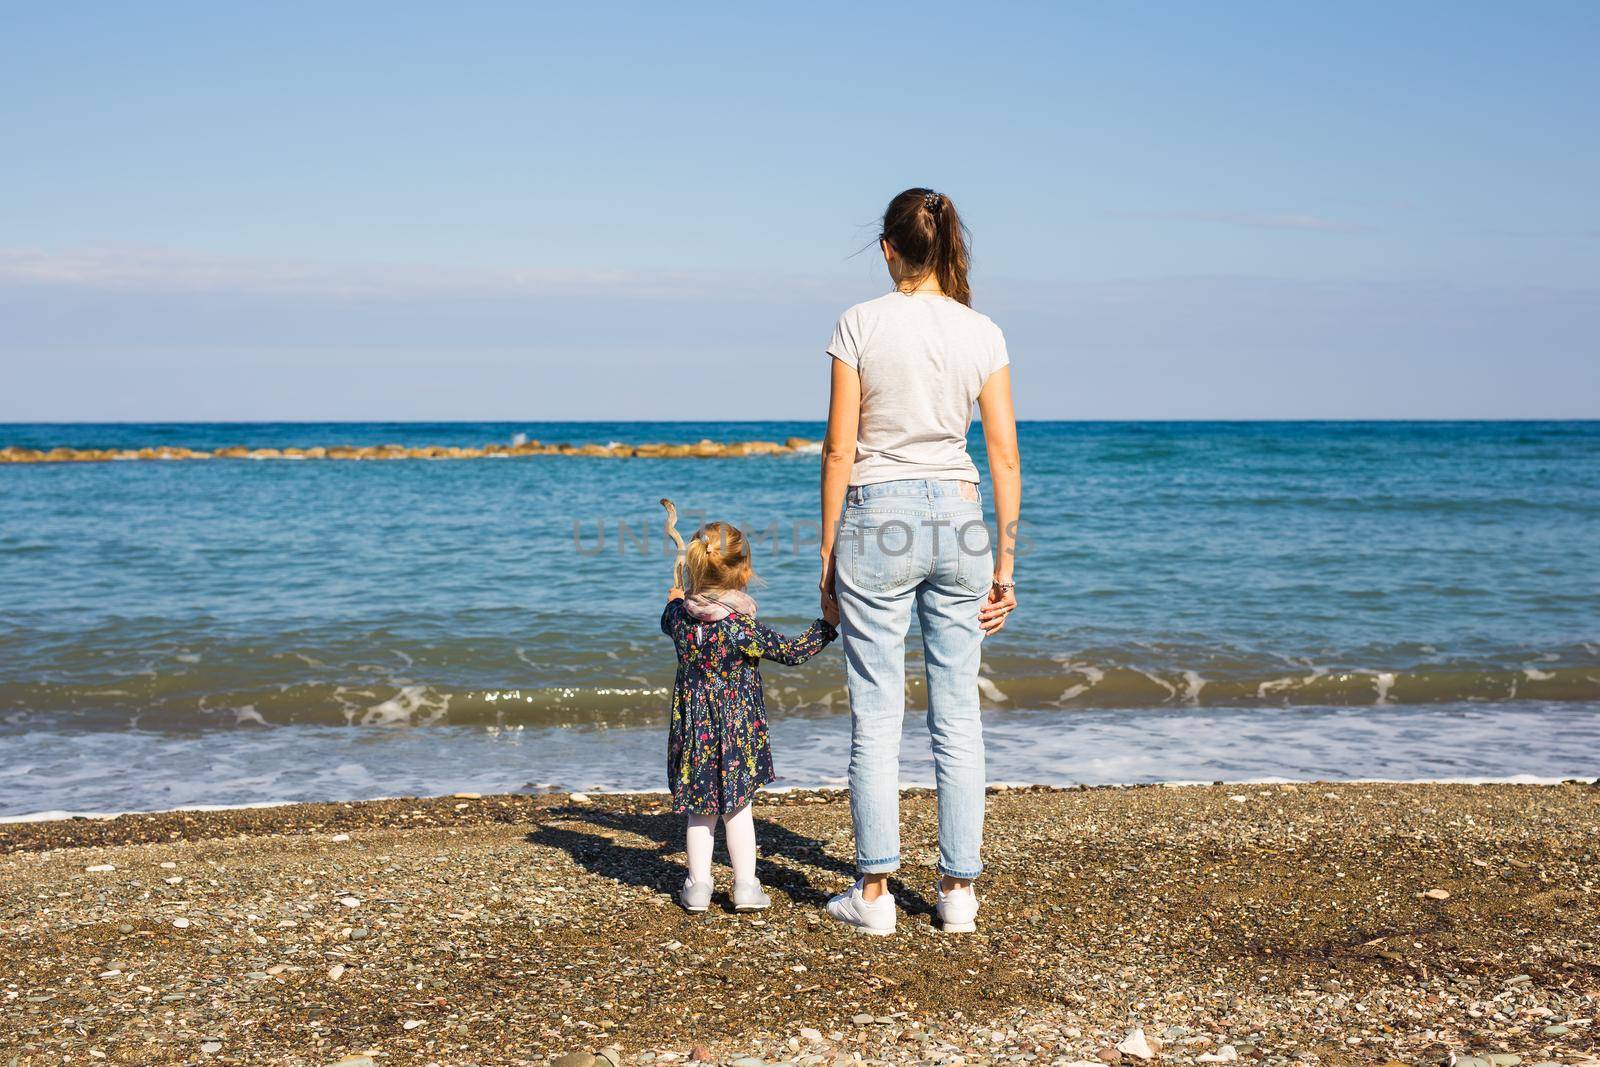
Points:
[164,702]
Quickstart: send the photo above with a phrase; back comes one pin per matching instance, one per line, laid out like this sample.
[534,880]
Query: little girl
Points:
[717,753]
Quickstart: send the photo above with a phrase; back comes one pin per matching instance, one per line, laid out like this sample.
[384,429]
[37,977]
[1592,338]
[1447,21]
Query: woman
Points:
[907,369]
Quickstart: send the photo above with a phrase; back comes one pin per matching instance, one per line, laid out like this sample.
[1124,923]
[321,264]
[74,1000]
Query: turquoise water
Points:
[288,619]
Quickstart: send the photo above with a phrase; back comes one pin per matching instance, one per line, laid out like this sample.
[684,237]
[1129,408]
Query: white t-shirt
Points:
[923,360]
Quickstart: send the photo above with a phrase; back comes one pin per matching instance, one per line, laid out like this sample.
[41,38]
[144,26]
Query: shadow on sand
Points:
[785,856]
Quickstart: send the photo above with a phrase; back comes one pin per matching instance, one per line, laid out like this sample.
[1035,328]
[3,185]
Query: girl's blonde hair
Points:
[718,558]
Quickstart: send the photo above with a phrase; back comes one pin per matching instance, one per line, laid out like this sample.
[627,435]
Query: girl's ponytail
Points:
[718,558]
[929,237]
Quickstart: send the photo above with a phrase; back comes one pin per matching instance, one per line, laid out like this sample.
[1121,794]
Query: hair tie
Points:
[931,201]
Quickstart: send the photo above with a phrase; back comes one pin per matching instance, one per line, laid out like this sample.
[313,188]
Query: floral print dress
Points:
[718,754]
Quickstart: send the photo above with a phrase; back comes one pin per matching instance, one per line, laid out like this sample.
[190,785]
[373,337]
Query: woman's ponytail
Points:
[929,237]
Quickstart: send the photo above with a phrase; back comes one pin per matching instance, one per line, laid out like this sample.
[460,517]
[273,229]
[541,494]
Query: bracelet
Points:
[1005,587]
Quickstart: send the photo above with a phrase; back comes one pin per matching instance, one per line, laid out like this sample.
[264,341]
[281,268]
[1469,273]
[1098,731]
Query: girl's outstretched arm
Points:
[765,643]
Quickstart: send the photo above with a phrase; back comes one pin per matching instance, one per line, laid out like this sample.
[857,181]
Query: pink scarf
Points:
[714,606]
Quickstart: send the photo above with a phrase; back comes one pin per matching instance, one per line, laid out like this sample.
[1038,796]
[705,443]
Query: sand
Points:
[1272,924]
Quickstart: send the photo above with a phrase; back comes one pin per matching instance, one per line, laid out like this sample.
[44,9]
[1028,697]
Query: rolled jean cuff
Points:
[968,875]
[884,866]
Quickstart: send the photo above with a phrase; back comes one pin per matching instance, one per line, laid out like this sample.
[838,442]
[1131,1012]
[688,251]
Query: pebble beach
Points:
[1272,924]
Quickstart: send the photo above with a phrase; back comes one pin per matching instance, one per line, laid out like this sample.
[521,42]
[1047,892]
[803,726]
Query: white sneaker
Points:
[957,909]
[748,896]
[852,909]
[695,896]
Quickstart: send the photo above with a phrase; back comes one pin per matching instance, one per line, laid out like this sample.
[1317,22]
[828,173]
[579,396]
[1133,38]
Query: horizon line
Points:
[746,422]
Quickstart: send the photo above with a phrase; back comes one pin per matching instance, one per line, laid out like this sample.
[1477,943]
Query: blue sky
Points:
[1233,210]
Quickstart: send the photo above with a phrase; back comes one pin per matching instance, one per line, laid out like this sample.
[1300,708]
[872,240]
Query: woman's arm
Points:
[1005,477]
[838,457]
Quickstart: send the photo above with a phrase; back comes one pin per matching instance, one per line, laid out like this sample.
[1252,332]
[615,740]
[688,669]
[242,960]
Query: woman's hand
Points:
[830,601]
[675,593]
[825,588]
[1001,603]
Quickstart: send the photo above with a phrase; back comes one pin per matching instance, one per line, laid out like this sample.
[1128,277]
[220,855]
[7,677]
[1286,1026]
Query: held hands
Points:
[1002,602]
[830,600]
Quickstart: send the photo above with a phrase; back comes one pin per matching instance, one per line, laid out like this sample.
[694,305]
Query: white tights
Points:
[738,829]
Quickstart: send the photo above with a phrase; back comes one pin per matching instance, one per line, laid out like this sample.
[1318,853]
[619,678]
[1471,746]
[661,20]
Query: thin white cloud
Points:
[176,271]
[1286,221]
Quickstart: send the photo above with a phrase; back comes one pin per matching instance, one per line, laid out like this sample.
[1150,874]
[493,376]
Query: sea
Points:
[1198,602]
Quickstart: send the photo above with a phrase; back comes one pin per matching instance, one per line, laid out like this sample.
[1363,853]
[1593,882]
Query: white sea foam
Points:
[248,714]
[992,691]
[831,785]
[1273,685]
[132,770]
[102,816]
[1276,685]
[1536,675]
[1172,690]
[413,705]
[1092,676]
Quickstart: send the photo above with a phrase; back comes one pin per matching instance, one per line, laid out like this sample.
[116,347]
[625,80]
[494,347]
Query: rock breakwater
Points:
[704,449]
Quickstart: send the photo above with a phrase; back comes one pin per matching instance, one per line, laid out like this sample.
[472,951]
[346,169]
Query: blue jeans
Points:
[901,544]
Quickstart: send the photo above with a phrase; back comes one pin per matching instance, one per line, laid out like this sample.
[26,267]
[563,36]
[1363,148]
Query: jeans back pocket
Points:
[974,553]
[879,550]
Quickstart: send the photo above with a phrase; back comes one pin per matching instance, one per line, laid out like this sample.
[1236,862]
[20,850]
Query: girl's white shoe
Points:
[695,896]
[747,896]
[957,909]
[852,909]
